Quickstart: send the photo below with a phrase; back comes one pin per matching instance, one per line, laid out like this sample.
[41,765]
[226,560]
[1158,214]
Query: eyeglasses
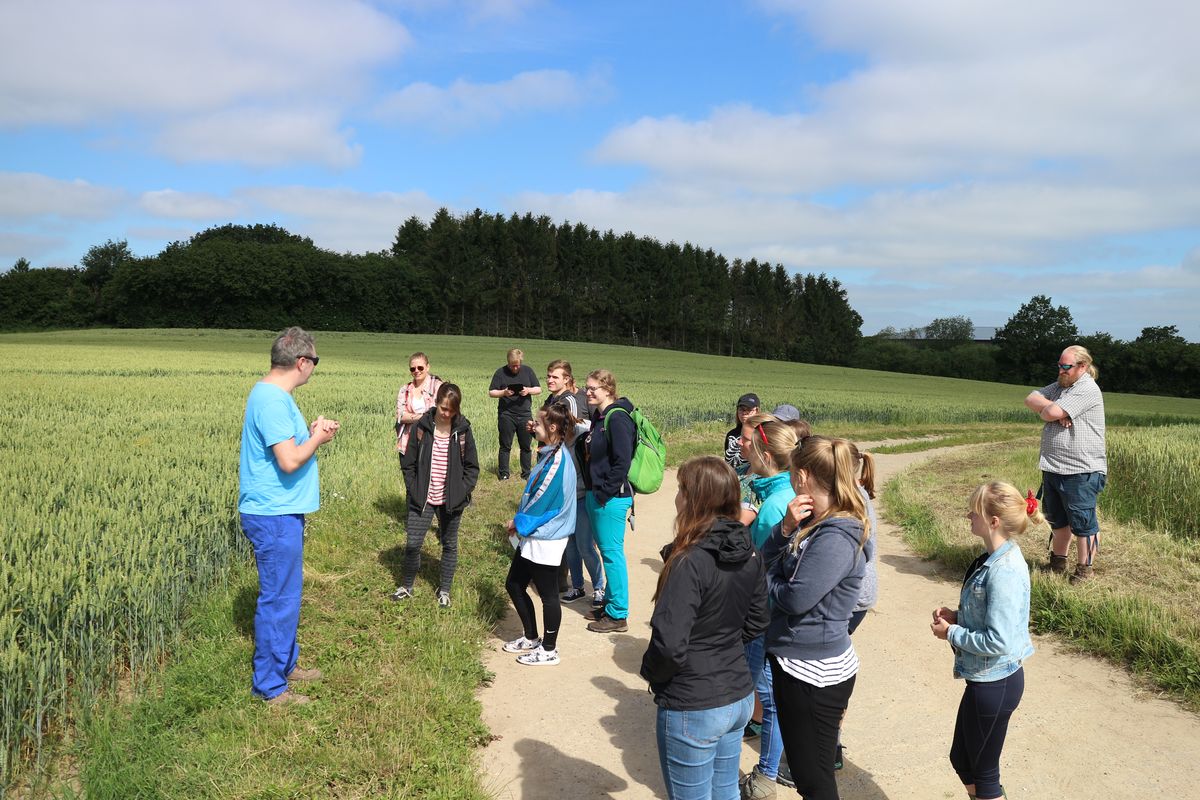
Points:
[591,389]
[1067,367]
[415,370]
[315,359]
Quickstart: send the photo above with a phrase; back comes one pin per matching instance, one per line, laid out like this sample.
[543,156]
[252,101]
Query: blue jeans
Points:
[581,550]
[770,742]
[278,543]
[608,525]
[699,750]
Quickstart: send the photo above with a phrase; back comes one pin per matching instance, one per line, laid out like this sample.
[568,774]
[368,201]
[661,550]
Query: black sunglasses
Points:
[415,370]
[315,359]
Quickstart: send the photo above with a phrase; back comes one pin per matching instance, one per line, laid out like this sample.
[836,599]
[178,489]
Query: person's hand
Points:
[323,430]
[948,614]
[524,391]
[1065,422]
[940,628]
[799,508]
[511,526]
[529,426]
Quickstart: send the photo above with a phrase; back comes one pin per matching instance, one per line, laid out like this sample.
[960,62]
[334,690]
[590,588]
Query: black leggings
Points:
[808,718]
[545,580]
[979,732]
[418,526]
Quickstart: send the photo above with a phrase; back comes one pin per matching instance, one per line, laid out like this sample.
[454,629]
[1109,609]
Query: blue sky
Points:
[939,157]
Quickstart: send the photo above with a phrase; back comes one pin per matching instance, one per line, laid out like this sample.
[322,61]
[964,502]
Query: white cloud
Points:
[343,220]
[15,244]
[188,205]
[261,138]
[27,195]
[465,104]
[75,61]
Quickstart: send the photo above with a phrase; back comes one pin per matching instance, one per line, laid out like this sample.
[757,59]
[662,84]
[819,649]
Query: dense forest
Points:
[526,277]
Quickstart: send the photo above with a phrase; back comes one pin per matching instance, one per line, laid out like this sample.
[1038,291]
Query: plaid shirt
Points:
[1079,448]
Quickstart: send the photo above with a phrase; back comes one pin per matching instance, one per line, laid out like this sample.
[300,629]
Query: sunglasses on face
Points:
[315,359]
[1067,367]
[415,370]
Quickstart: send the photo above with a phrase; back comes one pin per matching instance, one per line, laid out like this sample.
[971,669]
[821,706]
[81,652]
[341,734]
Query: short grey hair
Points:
[291,345]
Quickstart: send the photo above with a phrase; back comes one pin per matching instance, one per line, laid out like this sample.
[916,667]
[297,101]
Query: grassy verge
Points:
[1138,612]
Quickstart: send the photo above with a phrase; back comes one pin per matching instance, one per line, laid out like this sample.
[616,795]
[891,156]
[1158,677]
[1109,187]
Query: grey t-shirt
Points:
[1079,448]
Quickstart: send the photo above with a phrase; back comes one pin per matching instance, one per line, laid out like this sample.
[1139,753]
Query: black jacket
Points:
[608,454]
[713,602]
[462,469]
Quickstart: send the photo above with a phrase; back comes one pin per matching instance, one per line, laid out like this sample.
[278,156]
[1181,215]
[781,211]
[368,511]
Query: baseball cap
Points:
[786,413]
[748,400]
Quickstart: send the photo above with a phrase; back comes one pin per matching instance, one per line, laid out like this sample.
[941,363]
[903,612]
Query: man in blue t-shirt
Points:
[278,486]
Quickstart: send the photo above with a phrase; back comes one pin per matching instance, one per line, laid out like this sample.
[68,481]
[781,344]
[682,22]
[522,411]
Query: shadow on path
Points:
[631,729]
[542,769]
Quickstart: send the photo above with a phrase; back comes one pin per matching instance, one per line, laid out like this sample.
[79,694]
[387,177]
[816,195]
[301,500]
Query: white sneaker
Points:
[401,594]
[522,645]
[444,599]
[539,658]
[598,598]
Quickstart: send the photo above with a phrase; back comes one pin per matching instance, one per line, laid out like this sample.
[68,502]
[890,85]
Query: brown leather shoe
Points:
[301,674]
[1082,573]
[608,625]
[1057,565]
[288,698]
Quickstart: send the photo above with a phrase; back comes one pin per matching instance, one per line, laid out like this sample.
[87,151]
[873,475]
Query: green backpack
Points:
[649,454]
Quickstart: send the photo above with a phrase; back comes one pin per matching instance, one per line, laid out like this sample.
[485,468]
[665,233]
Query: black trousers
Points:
[979,732]
[418,526]
[808,718]
[510,424]
[545,580]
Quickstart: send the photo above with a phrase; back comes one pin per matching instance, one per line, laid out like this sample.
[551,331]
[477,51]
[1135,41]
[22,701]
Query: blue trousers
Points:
[979,731]
[770,741]
[608,525]
[581,551]
[699,750]
[278,543]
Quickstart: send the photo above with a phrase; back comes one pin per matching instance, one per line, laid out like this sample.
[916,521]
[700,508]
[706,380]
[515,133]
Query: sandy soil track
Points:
[585,729]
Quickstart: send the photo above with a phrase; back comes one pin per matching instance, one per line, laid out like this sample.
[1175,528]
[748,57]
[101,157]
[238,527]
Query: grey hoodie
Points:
[814,590]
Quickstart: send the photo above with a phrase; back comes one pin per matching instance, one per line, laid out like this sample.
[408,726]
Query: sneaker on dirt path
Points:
[444,599]
[302,674]
[598,598]
[572,595]
[288,698]
[838,762]
[522,645]
[607,624]
[539,658]
[402,593]
[756,786]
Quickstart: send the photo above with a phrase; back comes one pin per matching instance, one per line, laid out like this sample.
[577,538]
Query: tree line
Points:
[525,276]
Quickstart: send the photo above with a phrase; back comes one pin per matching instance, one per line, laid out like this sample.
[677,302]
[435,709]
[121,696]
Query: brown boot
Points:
[1082,573]
[1057,565]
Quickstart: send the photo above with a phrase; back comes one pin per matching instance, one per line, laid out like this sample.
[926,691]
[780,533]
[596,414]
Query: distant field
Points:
[118,477]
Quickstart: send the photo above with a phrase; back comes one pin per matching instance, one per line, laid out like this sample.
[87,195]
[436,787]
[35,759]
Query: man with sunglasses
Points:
[278,485]
[1073,461]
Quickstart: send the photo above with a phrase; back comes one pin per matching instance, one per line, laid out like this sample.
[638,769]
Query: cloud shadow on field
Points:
[631,728]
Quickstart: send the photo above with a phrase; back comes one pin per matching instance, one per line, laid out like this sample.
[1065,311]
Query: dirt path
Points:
[585,729]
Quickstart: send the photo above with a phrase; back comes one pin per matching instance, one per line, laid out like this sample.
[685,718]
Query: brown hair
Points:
[1003,500]
[450,393]
[559,415]
[833,465]
[565,366]
[606,380]
[419,355]
[710,491]
[866,477]
[773,441]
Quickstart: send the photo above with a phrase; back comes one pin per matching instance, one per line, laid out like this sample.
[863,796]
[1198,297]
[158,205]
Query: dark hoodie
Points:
[609,453]
[813,591]
[714,600]
[462,469]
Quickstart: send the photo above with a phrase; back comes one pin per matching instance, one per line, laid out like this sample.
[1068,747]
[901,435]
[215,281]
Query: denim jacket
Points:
[991,638]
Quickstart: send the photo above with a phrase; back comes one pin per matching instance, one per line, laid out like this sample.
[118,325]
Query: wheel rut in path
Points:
[585,729]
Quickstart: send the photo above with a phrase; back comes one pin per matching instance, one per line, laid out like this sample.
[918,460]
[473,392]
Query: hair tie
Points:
[1031,504]
[762,433]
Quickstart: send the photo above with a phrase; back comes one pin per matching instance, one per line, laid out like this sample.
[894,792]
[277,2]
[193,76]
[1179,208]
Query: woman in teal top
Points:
[767,444]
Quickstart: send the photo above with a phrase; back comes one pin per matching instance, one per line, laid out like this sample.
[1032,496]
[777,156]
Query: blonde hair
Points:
[1082,356]
[419,355]
[866,477]
[780,440]
[710,491]
[1004,501]
[833,465]
[606,379]
[516,354]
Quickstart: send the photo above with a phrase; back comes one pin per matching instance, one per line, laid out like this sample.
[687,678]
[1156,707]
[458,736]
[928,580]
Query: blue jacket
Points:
[774,492]
[609,453]
[547,508]
[813,591]
[991,638]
